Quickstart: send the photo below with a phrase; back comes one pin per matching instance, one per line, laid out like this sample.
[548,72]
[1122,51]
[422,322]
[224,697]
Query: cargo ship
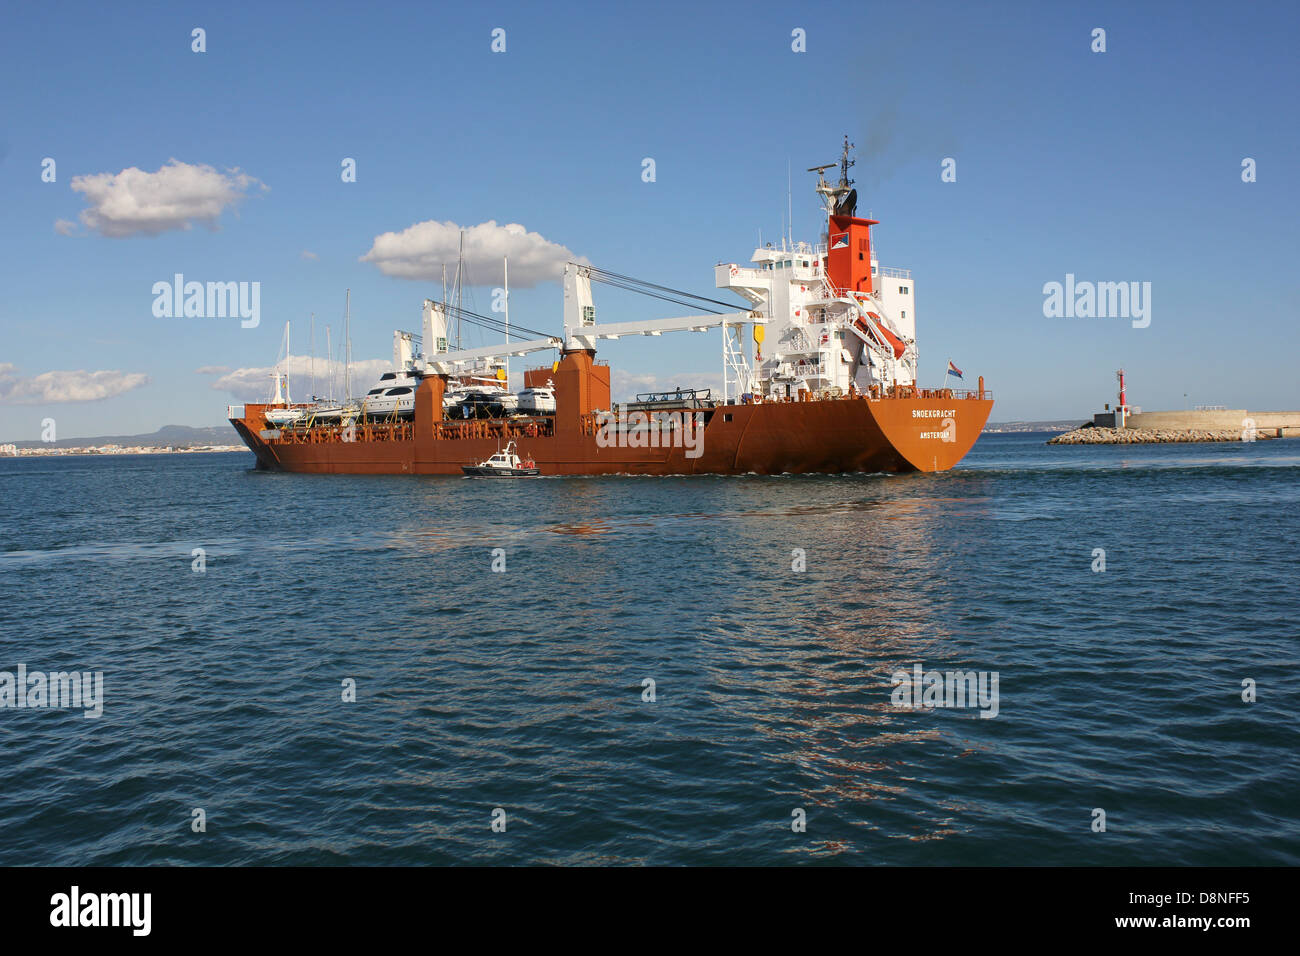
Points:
[819,376]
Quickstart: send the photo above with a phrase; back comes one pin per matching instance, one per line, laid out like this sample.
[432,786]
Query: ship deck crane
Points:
[581,331]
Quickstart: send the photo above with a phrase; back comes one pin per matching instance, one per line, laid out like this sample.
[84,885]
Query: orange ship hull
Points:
[833,436]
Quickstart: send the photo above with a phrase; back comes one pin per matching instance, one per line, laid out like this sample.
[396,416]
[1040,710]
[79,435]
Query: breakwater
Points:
[1092,435]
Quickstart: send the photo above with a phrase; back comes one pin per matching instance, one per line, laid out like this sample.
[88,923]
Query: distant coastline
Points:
[1063,425]
[170,439]
[53,452]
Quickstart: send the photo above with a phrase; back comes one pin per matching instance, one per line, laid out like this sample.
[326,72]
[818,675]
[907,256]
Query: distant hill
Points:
[178,436]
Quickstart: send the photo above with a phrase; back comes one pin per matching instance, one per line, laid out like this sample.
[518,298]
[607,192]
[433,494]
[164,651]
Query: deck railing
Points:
[876,393]
[541,426]
[404,431]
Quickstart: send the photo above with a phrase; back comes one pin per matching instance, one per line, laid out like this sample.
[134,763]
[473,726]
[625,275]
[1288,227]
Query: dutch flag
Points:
[953,370]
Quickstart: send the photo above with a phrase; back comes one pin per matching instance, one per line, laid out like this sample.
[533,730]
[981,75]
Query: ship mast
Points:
[840,199]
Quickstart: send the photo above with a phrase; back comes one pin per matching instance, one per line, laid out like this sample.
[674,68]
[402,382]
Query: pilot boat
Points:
[504,464]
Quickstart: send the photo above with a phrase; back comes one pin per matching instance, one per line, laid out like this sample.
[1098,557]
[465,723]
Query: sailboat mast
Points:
[287,394]
[460,263]
[329,351]
[313,356]
[347,348]
[505,268]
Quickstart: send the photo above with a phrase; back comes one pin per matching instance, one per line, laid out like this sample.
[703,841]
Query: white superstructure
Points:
[821,336]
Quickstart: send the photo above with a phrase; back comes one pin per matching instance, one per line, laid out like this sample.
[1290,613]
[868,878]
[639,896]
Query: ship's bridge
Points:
[799,261]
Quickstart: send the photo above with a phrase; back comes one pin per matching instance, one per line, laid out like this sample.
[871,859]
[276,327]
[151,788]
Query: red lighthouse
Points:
[1121,410]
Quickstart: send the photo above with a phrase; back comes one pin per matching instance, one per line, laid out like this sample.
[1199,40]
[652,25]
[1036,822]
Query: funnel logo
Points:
[653,430]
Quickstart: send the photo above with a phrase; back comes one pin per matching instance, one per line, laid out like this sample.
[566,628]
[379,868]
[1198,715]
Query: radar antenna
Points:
[821,171]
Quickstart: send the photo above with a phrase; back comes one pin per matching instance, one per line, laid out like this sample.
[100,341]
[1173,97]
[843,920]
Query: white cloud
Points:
[256,384]
[65,386]
[136,203]
[624,385]
[307,254]
[421,250]
[65,227]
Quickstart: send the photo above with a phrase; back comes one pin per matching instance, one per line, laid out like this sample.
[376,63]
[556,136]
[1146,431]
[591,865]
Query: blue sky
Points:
[1115,166]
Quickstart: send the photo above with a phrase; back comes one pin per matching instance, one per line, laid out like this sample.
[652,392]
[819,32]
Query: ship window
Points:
[387,376]
[375,391]
[399,391]
[904,313]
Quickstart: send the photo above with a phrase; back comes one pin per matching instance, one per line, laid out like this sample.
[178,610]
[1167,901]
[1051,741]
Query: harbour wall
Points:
[1279,424]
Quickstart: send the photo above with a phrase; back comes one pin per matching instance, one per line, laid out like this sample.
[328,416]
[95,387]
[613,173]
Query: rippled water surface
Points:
[523,690]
